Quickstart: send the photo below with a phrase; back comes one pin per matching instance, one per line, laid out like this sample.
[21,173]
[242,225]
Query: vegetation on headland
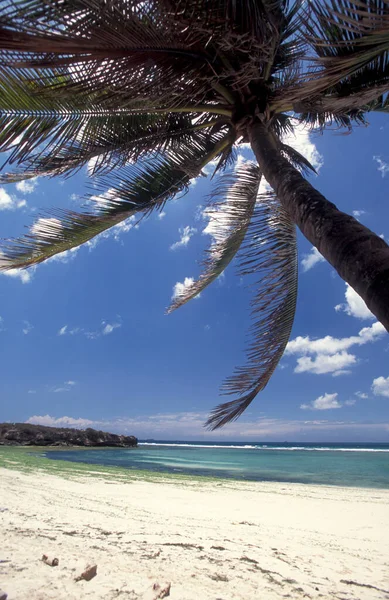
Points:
[26,434]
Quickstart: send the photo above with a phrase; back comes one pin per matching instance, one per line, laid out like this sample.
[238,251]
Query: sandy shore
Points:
[211,541]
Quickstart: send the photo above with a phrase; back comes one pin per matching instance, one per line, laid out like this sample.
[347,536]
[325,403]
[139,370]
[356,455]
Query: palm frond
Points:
[139,188]
[269,251]
[230,221]
[351,41]
[120,52]
[296,158]
[55,137]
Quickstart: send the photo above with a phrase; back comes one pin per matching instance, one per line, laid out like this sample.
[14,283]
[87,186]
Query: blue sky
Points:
[85,341]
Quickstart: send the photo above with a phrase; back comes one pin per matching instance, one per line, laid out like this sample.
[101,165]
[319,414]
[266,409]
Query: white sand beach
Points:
[218,541]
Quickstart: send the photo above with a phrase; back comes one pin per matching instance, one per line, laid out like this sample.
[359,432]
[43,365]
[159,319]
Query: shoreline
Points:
[210,538]
[27,458]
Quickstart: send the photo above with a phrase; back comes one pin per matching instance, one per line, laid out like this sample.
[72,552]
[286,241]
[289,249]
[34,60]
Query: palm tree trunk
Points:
[358,255]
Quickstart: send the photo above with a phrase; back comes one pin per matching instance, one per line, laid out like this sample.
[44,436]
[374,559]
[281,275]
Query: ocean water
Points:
[355,465]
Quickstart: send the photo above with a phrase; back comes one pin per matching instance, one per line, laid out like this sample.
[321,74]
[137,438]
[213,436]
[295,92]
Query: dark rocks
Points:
[24,434]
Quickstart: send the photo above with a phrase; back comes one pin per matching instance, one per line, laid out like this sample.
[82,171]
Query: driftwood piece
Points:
[3,595]
[158,590]
[88,574]
[52,562]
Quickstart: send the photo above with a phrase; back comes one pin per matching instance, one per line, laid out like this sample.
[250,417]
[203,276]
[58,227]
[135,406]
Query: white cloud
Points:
[383,167]
[27,327]
[104,329]
[114,232]
[109,327]
[27,186]
[350,402]
[180,288]
[325,363]
[301,140]
[358,213]
[65,387]
[161,215]
[311,259]
[380,386]
[361,395]
[325,402]
[354,306]
[8,202]
[65,256]
[329,354]
[330,345]
[341,372]
[122,227]
[186,233]
[31,392]
[190,425]
[22,274]
[60,421]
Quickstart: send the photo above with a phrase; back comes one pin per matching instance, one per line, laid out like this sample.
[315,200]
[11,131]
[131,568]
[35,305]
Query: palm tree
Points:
[150,92]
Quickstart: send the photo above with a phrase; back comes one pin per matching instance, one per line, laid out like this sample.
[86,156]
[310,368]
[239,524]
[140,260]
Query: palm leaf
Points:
[135,189]
[54,138]
[296,158]
[270,250]
[351,41]
[231,218]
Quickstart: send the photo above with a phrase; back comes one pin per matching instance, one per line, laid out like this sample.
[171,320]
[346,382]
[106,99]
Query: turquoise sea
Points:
[358,465]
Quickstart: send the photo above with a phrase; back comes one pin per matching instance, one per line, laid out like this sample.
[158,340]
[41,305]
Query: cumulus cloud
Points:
[186,234]
[311,259]
[8,202]
[361,395]
[329,354]
[27,186]
[380,386]
[354,305]
[325,402]
[180,288]
[301,139]
[189,425]
[21,274]
[325,363]
[383,167]
[161,215]
[60,421]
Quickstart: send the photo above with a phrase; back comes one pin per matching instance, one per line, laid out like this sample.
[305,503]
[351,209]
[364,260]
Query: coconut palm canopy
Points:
[149,93]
